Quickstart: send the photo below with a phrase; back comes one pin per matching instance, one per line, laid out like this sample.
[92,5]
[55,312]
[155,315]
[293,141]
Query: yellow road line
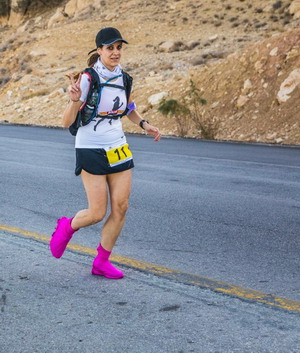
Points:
[179,276]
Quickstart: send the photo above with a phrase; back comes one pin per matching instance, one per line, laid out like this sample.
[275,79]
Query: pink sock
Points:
[61,236]
[103,267]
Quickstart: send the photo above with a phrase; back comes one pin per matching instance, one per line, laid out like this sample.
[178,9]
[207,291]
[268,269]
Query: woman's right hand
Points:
[74,89]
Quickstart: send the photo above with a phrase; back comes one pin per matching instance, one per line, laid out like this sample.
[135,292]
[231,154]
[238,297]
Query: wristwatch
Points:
[142,123]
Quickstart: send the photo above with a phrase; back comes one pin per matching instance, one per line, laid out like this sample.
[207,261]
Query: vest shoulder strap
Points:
[93,74]
[127,79]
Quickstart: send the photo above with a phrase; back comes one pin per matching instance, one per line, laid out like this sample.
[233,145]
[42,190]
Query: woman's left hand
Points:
[152,130]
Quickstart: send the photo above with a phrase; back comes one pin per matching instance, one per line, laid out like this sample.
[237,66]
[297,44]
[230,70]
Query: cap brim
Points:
[109,43]
[114,41]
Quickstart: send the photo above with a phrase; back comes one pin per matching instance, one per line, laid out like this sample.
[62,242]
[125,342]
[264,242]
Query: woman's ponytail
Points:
[92,59]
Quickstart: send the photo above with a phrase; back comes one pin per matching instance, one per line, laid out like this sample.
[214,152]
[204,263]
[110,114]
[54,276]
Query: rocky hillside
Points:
[13,12]
[243,56]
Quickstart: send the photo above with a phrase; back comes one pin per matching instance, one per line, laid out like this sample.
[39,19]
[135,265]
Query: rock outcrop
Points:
[12,12]
[243,57]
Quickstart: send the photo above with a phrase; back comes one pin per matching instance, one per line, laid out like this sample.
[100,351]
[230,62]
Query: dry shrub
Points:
[189,109]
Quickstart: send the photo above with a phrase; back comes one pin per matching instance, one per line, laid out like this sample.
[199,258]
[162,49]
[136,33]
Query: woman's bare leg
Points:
[119,187]
[96,191]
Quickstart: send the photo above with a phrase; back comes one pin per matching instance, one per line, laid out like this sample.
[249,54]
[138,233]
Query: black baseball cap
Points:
[107,36]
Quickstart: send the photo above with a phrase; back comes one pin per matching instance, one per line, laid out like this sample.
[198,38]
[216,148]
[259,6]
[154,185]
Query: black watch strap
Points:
[142,123]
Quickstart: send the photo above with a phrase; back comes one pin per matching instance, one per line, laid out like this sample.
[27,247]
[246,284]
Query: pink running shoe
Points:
[103,267]
[61,236]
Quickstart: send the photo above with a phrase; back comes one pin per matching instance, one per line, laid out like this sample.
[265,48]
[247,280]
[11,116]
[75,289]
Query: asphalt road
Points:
[226,211]
[56,306]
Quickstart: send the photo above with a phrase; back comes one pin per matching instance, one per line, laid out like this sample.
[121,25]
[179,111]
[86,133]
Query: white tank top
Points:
[103,133]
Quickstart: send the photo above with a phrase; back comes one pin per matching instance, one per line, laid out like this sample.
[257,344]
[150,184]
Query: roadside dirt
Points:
[239,53]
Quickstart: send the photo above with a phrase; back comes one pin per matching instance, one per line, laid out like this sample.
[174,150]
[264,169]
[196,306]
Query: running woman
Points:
[103,157]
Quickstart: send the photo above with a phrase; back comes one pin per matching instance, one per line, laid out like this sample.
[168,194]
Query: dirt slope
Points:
[238,52]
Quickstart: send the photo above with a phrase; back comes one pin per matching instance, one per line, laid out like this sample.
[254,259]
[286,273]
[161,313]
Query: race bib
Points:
[119,155]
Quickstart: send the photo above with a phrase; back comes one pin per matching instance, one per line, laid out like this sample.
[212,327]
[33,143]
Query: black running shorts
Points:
[95,161]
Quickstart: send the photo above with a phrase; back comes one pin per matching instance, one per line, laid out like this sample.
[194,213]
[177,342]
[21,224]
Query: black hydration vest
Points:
[89,109]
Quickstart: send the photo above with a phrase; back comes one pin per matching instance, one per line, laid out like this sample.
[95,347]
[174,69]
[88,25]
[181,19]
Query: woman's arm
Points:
[71,111]
[135,117]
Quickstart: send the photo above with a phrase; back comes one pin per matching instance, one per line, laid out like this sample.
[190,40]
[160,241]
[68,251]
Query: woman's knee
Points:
[97,216]
[120,208]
